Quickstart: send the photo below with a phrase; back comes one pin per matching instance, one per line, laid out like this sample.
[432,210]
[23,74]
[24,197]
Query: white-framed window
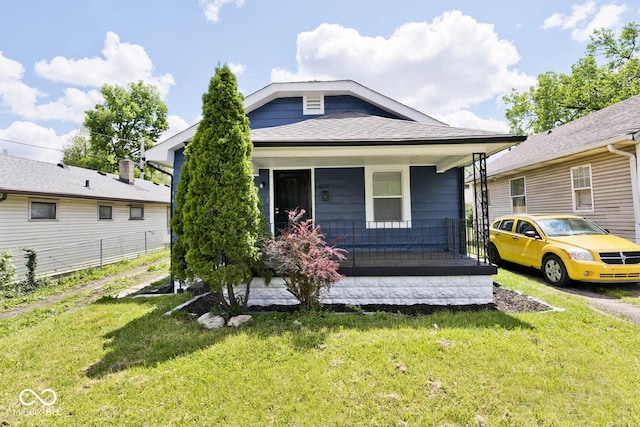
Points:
[136,212]
[43,210]
[581,188]
[105,212]
[517,191]
[388,197]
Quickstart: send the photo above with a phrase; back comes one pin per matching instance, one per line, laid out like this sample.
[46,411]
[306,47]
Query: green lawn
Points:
[120,362]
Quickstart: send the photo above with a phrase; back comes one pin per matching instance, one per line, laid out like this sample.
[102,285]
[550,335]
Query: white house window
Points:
[388,197]
[518,197]
[581,187]
[43,210]
[136,212]
[105,212]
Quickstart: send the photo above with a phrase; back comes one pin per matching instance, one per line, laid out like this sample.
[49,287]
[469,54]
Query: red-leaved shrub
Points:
[304,260]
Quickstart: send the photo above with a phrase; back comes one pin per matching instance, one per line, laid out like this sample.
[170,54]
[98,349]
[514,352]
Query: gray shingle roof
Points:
[349,126]
[24,176]
[594,130]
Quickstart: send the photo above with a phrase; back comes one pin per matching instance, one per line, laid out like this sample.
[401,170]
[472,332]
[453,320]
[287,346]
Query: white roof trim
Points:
[334,88]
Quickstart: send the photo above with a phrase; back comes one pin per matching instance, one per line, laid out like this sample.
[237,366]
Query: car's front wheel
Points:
[494,255]
[554,271]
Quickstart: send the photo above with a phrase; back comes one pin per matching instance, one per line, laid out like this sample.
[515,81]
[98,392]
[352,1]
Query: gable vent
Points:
[313,104]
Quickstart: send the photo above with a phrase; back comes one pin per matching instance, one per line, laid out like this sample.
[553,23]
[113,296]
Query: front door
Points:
[292,190]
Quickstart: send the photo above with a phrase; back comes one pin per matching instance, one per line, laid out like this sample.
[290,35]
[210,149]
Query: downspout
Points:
[635,180]
[154,167]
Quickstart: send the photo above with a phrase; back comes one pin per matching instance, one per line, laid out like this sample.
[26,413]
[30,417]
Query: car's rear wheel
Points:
[554,271]
[494,255]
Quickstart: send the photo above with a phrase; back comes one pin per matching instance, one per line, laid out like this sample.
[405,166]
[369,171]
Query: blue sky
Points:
[450,59]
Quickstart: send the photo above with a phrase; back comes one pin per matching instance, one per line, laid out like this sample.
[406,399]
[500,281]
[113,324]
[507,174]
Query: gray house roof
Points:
[24,176]
[614,124]
[361,129]
[354,139]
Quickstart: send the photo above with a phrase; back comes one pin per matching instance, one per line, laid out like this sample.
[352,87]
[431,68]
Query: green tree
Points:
[218,222]
[125,118]
[560,98]
[78,152]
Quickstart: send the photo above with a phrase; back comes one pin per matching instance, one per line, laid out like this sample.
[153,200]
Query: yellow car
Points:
[565,248]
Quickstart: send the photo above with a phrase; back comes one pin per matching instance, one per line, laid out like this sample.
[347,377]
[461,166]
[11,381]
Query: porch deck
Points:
[436,247]
[400,263]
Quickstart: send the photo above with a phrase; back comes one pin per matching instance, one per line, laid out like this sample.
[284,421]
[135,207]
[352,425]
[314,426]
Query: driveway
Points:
[140,275]
[599,302]
[609,304]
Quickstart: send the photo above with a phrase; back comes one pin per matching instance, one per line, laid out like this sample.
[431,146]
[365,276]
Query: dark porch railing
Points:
[436,239]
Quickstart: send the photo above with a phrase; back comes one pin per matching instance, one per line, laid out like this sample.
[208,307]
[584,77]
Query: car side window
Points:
[524,226]
[506,225]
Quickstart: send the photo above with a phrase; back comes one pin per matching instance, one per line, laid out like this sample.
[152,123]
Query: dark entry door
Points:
[292,190]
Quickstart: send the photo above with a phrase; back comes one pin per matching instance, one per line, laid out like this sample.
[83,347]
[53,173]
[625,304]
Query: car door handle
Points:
[515,237]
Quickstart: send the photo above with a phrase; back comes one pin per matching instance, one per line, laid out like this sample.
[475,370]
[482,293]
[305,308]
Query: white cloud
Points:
[237,69]
[120,64]
[33,134]
[609,16]
[176,125]
[584,18]
[449,64]
[579,13]
[467,119]
[22,100]
[212,7]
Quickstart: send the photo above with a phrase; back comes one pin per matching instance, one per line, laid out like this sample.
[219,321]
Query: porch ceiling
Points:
[442,156]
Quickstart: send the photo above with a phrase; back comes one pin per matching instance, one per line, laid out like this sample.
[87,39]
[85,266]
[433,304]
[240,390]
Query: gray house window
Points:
[518,195]
[105,212]
[581,188]
[136,212]
[43,210]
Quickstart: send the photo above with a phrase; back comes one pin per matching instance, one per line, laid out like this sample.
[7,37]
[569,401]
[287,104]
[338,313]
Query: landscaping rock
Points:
[239,320]
[211,322]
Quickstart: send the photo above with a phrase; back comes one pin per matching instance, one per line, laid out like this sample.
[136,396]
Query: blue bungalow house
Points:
[384,181]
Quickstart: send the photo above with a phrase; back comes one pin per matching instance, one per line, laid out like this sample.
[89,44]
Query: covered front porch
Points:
[438,247]
[428,263]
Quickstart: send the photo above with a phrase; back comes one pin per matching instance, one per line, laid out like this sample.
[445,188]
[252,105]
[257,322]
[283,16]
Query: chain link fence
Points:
[92,253]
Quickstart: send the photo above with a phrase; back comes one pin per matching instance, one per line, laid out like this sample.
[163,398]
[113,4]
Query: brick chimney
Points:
[126,171]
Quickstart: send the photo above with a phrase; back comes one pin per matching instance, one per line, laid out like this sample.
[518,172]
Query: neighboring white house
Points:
[75,217]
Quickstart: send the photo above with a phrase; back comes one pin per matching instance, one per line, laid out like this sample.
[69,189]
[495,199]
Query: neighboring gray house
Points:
[383,179]
[77,217]
[588,167]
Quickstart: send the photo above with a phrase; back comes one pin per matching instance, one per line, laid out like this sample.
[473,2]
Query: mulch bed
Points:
[504,300]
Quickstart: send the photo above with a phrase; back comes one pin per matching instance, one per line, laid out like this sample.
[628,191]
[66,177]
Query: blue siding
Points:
[335,104]
[345,188]
[436,195]
[280,111]
[285,111]
[433,195]
[263,193]
[436,209]
[178,161]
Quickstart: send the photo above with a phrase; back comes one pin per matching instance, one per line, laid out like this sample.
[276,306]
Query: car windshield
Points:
[568,227]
